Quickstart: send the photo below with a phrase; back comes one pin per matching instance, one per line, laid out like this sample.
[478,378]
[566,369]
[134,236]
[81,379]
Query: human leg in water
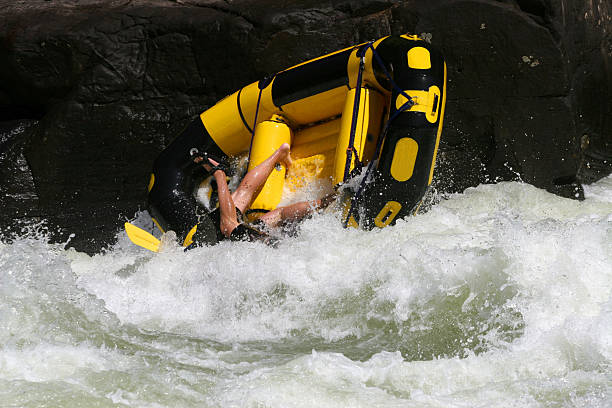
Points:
[248,189]
[296,212]
[252,183]
[227,208]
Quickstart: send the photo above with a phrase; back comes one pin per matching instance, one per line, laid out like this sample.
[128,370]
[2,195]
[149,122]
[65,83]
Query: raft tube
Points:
[377,106]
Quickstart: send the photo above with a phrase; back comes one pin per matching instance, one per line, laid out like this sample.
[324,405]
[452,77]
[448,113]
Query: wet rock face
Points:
[91,91]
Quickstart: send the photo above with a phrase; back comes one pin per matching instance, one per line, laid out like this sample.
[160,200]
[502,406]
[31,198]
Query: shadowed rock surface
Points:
[91,91]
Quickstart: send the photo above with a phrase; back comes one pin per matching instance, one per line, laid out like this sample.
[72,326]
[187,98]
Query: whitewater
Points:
[500,296]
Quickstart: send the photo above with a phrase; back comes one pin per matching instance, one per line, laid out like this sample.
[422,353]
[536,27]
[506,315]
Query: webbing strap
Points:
[358,163]
[351,148]
[388,75]
[241,114]
[261,85]
[254,124]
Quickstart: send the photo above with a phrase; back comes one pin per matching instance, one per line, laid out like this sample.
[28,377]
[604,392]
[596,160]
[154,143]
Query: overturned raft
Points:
[374,108]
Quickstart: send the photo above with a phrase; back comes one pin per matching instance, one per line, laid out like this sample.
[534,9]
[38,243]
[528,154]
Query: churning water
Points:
[497,297]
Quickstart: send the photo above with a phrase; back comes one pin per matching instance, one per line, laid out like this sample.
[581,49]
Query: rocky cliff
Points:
[91,91]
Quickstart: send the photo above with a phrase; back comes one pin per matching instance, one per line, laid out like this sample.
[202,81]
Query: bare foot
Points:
[285,156]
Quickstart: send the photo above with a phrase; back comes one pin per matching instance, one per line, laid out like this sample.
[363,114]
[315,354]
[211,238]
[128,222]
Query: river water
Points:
[497,297]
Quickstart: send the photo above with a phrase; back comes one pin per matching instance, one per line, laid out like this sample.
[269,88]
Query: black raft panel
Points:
[374,209]
[312,78]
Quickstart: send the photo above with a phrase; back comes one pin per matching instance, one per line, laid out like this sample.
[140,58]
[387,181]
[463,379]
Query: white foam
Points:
[51,362]
[505,291]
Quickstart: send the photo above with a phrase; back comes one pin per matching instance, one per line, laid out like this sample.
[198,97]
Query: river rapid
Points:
[497,297]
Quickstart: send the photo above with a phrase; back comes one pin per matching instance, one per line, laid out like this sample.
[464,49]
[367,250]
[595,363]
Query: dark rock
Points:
[585,30]
[91,91]
[17,188]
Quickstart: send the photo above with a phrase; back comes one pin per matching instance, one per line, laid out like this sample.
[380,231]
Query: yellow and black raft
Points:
[372,111]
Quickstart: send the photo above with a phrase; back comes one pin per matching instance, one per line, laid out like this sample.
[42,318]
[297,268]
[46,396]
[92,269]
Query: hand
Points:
[213,166]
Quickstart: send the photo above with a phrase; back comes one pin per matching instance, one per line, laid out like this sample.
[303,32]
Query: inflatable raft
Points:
[372,112]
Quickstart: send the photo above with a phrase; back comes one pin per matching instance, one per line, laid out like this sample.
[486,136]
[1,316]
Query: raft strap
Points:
[246,124]
[409,99]
[261,85]
[351,148]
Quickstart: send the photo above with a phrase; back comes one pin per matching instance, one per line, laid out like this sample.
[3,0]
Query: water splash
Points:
[500,296]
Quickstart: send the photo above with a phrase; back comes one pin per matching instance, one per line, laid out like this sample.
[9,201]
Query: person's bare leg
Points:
[254,180]
[226,205]
[296,212]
